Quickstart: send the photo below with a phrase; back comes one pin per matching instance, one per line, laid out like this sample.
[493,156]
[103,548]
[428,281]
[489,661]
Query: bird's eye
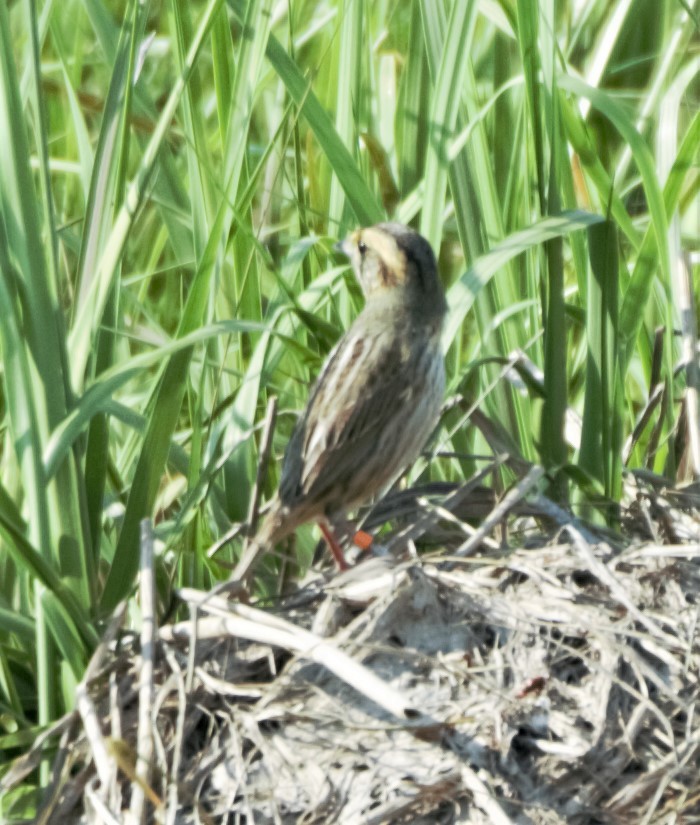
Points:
[362,248]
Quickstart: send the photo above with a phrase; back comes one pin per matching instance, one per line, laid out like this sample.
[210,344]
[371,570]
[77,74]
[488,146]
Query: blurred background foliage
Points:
[172,179]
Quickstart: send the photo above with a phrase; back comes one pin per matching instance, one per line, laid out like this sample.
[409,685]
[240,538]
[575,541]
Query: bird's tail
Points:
[275,527]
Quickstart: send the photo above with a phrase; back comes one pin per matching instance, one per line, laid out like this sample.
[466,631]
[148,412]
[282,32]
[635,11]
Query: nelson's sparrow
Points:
[378,395]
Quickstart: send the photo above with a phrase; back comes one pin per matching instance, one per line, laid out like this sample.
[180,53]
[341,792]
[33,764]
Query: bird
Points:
[377,398]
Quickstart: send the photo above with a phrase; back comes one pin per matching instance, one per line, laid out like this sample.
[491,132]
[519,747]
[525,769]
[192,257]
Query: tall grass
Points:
[170,183]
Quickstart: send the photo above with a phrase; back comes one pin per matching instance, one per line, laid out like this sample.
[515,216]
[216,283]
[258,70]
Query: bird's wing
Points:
[362,391]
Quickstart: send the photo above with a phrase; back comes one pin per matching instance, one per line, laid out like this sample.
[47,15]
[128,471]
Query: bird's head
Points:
[393,261]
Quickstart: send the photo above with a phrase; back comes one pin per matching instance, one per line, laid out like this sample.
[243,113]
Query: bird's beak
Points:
[340,248]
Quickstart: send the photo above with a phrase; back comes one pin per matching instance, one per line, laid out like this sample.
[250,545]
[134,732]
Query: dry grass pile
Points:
[550,677]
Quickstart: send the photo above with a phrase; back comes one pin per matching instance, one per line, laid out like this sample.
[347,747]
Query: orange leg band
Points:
[363,540]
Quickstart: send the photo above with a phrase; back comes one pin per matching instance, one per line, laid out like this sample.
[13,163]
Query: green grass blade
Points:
[443,116]
[360,197]
[99,396]
[412,115]
[167,401]
[463,292]
[82,334]
[349,97]
[638,290]
[600,425]
[642,156]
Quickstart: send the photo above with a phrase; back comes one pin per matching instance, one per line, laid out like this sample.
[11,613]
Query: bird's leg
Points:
[334,545]
[345,531]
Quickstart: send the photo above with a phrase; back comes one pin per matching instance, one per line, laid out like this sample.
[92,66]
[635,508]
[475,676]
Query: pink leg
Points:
[334,547]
